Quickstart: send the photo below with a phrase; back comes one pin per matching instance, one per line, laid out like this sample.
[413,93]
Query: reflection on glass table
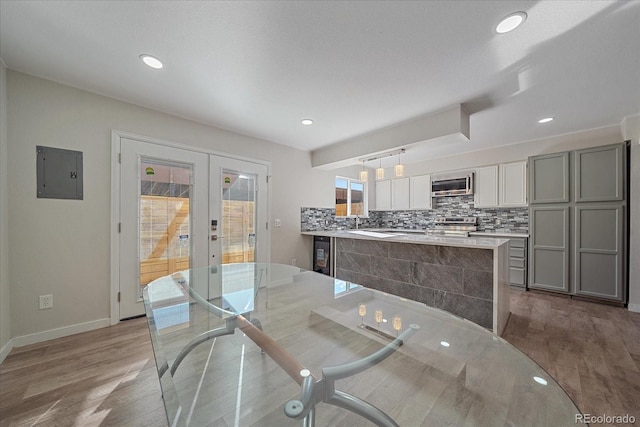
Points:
[270,344]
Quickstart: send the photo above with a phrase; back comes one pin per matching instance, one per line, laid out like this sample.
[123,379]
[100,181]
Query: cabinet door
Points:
[598,258]
[599,173]
[400,193]
[383,195]
[549,254]
[420,187]
[486,187]
[549,178]
[513,184]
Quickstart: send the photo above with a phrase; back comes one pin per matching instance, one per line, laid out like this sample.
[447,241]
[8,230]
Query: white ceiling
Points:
[354,67]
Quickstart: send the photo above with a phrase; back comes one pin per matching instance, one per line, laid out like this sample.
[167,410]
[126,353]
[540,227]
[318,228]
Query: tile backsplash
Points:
[495,219]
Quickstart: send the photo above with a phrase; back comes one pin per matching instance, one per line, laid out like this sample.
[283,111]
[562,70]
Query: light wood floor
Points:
[108,376]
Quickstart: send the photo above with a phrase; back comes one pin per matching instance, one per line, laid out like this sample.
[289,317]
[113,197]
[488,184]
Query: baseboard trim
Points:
[4,352]
[634,307]
[60,332]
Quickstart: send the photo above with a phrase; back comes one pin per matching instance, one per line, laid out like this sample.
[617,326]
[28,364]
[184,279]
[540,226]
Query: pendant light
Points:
[398,170]
[364,175]
[380,172]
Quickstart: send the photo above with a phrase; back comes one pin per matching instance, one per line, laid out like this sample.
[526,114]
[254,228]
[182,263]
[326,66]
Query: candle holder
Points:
[362,310]
[397,324]
[378,317]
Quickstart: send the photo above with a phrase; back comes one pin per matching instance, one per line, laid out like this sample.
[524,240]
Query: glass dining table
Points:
[255,344]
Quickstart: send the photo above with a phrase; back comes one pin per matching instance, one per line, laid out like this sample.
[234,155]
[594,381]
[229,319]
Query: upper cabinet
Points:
[404,193]
[549,178]
[599,174]
[486,187]
[420,197]
[400,194]
[513,184]
[383,195]
[503,185]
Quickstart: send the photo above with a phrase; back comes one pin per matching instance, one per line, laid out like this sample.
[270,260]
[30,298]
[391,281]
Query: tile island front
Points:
[468,277]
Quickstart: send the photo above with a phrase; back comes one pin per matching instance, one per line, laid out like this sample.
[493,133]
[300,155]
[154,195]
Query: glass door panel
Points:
[238,229]
[165,219]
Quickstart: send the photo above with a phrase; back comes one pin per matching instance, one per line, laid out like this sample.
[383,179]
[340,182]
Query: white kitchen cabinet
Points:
[513,184]
[383,195]
[486,187]
[400,194]
[420,196]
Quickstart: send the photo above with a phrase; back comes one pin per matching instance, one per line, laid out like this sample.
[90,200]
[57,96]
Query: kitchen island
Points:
[468,277]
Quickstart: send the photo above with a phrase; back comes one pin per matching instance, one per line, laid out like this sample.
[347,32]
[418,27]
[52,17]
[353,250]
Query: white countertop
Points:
[506,234]
[410,236]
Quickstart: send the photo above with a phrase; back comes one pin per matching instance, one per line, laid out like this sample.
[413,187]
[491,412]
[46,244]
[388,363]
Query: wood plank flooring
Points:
[592,350]
[108,376]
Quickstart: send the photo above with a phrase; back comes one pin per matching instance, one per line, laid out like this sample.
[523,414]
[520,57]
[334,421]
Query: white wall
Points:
[518,151]
[61,247]
[5,315]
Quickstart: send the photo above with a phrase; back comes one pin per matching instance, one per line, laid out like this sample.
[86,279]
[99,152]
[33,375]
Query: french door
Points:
[238,204]
[182,209]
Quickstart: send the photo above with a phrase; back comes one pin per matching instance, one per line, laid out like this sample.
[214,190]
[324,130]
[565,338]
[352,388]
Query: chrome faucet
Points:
[357,221]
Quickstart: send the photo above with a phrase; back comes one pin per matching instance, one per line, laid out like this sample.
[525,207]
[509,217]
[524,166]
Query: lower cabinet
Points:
[549,267]
[518,262]
[578,250]
[598,260]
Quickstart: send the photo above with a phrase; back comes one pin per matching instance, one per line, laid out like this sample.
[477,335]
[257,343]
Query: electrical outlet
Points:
[46,301]
[294,261]
[277,222]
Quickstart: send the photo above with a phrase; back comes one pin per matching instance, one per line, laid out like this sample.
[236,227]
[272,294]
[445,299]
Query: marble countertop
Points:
[506,234]
[411,236]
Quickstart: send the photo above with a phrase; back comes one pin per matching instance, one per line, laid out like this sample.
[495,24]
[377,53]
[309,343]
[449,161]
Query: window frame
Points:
[365,197]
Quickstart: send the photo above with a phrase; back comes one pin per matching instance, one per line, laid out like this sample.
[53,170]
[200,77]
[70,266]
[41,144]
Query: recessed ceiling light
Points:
[540,380]
[511,22]
[444,344]
[151,61]
[546,120]
[307,122]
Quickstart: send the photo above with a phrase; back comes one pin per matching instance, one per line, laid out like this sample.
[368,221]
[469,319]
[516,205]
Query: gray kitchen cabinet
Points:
[518,249]
[598,262]
[578,230]
[549,267]
[549,178]
[518,262]
[598,174]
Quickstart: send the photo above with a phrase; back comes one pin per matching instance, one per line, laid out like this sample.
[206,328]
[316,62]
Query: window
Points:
[351,197]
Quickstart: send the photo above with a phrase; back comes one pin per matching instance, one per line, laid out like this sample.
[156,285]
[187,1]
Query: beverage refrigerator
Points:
[322,255]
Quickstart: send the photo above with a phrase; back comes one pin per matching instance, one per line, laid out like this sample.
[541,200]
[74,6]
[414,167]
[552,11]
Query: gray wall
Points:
[5,315]
[61,247]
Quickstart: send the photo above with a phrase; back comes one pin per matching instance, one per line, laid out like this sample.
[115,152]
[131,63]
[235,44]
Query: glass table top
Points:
[271,344]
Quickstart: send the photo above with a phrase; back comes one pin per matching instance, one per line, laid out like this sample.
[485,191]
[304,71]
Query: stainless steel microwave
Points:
[460,185]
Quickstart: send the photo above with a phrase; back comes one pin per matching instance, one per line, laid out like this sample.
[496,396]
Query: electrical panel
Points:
[59,173]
